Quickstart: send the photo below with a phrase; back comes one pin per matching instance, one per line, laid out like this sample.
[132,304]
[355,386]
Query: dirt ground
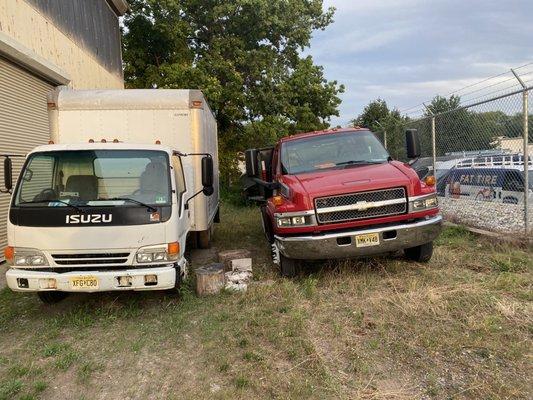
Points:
[458,327]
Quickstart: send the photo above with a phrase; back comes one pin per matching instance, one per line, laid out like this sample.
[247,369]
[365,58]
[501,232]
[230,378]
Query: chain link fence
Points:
[479,146]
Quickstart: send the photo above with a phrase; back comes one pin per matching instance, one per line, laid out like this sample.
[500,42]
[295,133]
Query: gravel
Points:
[494,217]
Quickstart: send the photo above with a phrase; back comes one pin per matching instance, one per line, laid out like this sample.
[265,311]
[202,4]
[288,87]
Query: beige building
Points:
[44,44]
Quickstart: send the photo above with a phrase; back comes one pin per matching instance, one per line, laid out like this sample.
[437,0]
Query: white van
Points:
[486,184]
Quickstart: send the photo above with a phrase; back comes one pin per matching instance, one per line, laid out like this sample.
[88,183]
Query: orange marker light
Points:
[430,180]
[91,140]
[277,200]
[50,142]
[173,248]
[115,140]
[9,253]
[158,141]
[103,141]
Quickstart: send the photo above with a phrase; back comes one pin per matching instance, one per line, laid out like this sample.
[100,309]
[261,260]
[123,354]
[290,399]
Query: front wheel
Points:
[52,297]
[289,266]
[420,253]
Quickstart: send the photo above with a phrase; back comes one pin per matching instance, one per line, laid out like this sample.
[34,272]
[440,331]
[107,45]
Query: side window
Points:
[180,179]
[38,176]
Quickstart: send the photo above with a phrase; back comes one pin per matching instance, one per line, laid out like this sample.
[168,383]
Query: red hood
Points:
[354,179]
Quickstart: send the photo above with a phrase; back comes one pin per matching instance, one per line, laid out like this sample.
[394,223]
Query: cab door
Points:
[180,197]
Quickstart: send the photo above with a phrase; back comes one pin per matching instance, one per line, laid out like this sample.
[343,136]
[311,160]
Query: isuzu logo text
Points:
[89,218]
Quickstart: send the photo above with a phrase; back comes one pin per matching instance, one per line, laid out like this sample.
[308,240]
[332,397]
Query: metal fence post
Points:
[433,144]
[525,157]
[526,162]
[433,139]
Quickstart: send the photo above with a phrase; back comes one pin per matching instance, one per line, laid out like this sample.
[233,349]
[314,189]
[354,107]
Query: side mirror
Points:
[252,162]
[8,173]
[412,143]
[207,175]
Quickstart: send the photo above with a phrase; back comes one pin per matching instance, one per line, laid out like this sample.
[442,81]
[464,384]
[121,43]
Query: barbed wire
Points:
[466,98]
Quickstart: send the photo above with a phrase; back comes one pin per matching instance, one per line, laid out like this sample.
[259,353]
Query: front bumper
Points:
[107,280]
[342,244]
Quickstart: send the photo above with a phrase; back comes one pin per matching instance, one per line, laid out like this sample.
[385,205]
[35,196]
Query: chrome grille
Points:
[90,258]
[371,204]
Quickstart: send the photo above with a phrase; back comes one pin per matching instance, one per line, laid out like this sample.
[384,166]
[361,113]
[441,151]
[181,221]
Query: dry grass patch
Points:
[458,327]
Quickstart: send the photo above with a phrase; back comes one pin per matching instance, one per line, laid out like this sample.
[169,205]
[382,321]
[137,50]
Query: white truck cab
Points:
[110,204]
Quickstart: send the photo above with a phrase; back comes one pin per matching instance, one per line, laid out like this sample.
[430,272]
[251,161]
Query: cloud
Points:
[407,51]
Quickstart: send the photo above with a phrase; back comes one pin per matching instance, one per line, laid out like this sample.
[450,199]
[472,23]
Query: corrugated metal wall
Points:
[23,122]
[92,24]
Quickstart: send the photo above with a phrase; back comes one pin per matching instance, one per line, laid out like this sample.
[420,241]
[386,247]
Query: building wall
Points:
[34,30]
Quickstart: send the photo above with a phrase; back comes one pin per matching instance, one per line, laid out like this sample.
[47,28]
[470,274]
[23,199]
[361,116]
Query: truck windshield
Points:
[332,150]
[95,178]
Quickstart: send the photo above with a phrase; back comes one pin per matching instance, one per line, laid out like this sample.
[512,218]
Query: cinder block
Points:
[241,264]
[226,256]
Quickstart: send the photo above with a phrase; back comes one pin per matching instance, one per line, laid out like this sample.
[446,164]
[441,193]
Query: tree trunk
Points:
[210,279]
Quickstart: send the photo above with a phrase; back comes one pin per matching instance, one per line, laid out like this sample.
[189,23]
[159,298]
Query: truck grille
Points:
[371,204]
[91,258]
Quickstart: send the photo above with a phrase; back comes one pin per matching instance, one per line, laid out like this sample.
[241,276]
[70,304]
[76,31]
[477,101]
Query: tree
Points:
[461,129]
[377,117]
[244,54]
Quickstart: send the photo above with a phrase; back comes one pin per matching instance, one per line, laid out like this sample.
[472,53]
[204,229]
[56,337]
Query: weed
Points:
[241,382]
[40,386]
[8,389]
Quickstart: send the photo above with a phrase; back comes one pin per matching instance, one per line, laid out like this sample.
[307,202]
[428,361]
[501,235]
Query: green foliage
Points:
[380,119]
[245,55]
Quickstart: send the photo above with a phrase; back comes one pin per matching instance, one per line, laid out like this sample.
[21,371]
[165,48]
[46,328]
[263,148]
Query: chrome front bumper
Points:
[342,244]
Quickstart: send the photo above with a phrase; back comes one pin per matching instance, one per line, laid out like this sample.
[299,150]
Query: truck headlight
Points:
[159,253]
[29,258]
[305,219]
[424,203]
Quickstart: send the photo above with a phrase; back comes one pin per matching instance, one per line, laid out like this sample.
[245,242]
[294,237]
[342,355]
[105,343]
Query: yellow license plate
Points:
[84,282]
[366,240]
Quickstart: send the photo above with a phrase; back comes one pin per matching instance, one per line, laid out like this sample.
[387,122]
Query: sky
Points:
[408,51]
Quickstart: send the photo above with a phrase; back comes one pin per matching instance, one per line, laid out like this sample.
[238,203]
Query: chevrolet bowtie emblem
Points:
[362,205]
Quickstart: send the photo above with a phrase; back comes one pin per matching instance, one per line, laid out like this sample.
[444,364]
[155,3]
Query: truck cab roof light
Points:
[91,140]
[158,141]
[50,142]
[103,141]
[115,140]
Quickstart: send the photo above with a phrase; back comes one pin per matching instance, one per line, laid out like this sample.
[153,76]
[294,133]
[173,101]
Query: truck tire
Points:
[420,253]
[289,267]
[52,297]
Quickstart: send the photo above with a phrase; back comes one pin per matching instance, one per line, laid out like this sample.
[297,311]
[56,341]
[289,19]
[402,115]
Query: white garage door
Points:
[23,123]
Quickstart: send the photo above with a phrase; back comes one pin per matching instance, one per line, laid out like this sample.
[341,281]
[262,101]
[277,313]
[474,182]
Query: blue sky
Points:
[407,51]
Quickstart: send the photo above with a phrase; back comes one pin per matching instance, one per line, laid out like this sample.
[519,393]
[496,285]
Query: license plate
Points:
[366,240]
[84,282]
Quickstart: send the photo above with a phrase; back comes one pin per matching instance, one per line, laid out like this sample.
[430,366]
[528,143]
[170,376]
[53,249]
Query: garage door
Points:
[23,123]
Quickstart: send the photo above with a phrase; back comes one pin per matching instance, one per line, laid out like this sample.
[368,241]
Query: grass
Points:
[458,327]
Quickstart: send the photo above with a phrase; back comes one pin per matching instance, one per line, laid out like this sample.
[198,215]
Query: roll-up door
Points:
[23,123]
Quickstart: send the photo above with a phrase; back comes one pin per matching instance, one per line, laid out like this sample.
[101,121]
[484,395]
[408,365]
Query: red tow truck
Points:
[338,194]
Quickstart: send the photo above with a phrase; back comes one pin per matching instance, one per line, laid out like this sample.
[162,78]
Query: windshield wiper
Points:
[149,207]
[358,162]
[52,201]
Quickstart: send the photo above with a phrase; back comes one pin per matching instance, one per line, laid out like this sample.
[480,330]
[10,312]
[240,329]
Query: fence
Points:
[476,142]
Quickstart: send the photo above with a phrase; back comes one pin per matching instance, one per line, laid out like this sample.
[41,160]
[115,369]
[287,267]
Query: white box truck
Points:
[128,177]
